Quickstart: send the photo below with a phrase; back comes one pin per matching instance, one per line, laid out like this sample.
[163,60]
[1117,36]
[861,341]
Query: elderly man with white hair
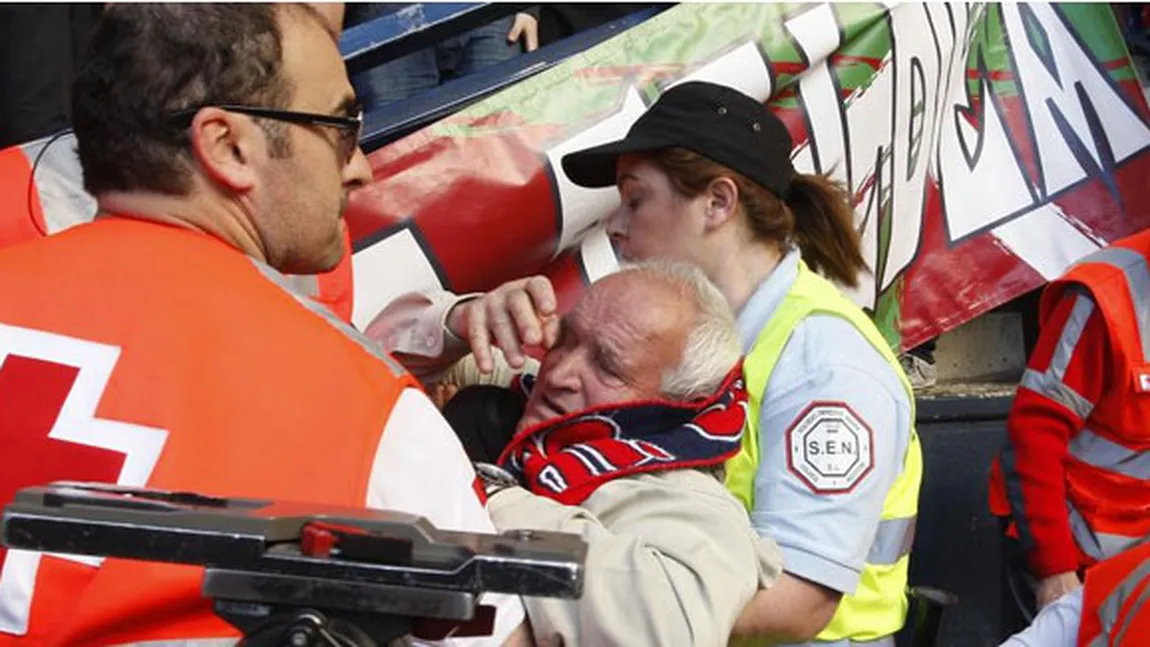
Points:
[621,438]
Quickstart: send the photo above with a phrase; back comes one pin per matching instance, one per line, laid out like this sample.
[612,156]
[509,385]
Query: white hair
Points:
[712,347]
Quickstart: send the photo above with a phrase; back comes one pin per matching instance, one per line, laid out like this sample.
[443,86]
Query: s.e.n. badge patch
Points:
[830,448]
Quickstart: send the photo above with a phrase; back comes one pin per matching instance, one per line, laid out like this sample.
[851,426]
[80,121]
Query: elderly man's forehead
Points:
[635,299]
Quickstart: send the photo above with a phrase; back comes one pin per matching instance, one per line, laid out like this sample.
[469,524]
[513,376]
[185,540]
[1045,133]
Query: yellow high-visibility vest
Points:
[878,607]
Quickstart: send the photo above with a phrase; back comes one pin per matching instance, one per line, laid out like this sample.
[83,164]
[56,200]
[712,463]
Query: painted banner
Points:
[987,147]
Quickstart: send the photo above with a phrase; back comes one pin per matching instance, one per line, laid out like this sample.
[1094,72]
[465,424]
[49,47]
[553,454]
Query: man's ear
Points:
[722,201]
[225,146]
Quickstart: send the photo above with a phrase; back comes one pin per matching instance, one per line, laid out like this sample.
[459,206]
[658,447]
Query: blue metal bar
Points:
[386,124]
[415,27]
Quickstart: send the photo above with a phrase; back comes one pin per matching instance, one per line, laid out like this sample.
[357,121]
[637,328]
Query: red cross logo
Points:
[32,392]
[50,387]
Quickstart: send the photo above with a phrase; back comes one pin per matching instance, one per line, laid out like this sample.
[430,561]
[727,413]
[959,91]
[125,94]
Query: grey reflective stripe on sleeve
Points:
[1098,545]
[1133,265]
[328,316]
[1110,608]
[1108,455]
[1046,385]
[1051,383]
[1014,495]
[892,541]
[1071,335]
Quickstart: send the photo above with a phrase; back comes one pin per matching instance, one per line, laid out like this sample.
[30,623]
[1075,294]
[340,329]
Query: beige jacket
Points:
[672,560]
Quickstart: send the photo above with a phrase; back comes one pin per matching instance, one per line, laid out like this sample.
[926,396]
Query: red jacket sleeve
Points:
[1065,378]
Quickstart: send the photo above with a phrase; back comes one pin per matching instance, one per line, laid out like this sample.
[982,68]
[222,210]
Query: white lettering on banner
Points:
[743,68]
[918,65]
[830,448]
[1065,90]
[382,271]
[597,255]
[981,179]
[964,144]
[869,132]
[76,422]
[1047,239]
[581,208]
[816,36]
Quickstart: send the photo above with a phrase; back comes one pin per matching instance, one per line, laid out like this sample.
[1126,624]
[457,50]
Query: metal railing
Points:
[423,25]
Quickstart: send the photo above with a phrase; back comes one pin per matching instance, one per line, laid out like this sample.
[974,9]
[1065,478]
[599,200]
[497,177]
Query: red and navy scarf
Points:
[567,458]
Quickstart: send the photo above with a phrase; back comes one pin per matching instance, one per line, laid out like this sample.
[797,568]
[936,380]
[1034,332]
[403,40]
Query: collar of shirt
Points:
[766,298]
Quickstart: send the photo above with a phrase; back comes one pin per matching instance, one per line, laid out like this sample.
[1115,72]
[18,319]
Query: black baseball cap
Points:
[715,121]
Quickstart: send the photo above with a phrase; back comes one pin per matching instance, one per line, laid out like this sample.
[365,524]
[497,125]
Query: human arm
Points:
[1065,377]
[526,26]
[671,561]
[1055,626]
[793,610]
[413,329]
[834,430]
[421,468]
[429,331]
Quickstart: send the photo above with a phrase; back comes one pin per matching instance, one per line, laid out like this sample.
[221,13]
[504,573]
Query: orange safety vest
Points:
[59,191]
[1108,465]
[161,357]
[1116,601]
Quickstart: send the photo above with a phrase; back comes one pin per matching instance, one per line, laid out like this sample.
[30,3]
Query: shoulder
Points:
[825,347]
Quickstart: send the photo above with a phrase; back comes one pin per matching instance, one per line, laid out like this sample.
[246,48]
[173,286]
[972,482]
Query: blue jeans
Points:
[420,71]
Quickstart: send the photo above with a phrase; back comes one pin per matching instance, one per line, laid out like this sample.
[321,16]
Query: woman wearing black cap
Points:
[831,465]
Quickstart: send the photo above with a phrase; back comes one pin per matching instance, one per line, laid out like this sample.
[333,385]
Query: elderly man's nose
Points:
[563,371]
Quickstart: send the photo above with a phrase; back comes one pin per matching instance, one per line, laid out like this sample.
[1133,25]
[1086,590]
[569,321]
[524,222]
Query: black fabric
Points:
[1019,600]
[715,121]
[41,49]
[484,419]
[560,20]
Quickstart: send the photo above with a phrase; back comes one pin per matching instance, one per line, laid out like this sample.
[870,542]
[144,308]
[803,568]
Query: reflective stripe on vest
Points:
[1097,545]
[1133,266]
[1114,607]
[878,607]
[328,316]
[1103,453]
[892,541]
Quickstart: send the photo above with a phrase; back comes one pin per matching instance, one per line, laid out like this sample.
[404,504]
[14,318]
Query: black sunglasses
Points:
[351,128]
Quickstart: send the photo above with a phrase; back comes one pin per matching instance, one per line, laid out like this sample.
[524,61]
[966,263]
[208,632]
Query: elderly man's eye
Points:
[609,367]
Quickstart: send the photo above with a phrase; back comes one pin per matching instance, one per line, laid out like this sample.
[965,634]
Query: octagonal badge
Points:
[830,448]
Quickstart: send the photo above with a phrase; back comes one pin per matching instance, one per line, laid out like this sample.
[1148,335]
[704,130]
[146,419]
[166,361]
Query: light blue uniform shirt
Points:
[1055,626]
[825,537]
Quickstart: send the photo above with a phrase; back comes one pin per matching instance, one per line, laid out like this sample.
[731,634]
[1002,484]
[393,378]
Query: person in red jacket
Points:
[1073,479]
[1110,610]
[161,345]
